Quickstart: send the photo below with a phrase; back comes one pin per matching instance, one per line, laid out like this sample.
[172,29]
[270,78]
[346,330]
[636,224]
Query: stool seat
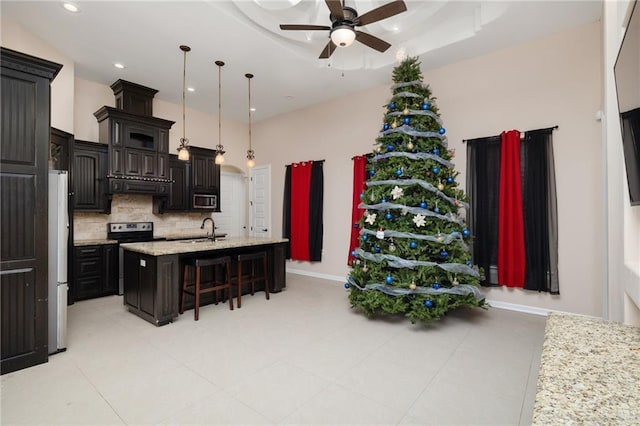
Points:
[219,264]
[255,260]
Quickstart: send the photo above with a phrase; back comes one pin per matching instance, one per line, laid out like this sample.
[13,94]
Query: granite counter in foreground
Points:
[153,271]
[589,373]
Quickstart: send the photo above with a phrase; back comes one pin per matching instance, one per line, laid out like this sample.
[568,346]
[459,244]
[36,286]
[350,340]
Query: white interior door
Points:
[260,201]
[231,219]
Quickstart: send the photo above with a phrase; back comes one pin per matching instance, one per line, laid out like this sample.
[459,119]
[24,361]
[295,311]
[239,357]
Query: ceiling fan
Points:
[343,22]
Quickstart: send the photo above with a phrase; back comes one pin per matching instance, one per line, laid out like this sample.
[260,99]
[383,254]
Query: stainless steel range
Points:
[129,232]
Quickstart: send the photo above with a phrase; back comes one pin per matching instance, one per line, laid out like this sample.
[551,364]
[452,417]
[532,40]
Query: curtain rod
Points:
[535,130]
[308,161]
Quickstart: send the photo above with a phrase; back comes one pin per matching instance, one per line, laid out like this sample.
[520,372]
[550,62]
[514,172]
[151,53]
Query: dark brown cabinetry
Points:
[89,174]
[96,271]
[178,199]
[205,173]
[25,132]
[138,151]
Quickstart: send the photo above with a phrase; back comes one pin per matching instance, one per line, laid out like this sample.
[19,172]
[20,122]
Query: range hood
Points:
[138,142]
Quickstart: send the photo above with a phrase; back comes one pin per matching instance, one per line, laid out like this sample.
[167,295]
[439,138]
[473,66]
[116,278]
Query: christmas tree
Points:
[414,256]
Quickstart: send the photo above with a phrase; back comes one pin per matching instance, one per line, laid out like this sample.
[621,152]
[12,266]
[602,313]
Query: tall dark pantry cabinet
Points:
[25,129]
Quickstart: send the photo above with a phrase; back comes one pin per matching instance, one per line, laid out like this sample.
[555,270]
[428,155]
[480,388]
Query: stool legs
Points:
[252,277]
[210,286]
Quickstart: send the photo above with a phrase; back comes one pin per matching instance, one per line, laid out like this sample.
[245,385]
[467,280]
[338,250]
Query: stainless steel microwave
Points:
[205,201]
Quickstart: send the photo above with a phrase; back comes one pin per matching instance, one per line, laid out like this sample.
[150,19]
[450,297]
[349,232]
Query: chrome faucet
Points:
[213,228]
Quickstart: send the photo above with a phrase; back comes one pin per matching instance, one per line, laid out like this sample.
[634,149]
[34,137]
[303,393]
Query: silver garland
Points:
[415,210]
[408,130]
[415,156]
[442,238]
[422,183]
[417,112]
[407,84]
[460,290]
[399,263]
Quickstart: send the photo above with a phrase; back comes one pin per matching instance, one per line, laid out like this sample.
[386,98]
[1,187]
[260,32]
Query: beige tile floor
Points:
[304,357]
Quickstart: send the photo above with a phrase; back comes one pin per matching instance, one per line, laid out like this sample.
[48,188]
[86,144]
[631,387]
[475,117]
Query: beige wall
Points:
[14,37]
[554,80]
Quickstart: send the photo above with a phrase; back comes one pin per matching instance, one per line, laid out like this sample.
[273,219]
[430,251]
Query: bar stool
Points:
[223,263]
[251,278]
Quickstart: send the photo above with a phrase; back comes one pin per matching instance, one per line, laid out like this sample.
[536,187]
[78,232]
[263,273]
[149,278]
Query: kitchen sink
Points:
[203,240]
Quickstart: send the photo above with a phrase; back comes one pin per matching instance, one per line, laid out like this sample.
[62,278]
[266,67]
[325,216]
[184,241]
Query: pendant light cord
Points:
[184,97]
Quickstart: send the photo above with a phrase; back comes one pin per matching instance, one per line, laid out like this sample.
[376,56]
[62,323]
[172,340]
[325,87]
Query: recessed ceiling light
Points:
[252,109]
[191,89]
[71,7]
[119,65]
[396,28]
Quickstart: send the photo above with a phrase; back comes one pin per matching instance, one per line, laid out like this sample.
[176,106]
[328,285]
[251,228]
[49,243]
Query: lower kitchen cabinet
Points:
[96,271]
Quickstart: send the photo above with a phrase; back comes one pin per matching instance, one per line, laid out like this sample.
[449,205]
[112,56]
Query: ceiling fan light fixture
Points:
[343,35]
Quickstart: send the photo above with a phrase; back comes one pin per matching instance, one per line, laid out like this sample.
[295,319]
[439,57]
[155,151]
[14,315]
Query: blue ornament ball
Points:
[346,285]
[361,195]
[356,226]
[450,179]
[436,285]
[436,209]
[469,262]
[442,130]
[425,105]
[384,200]
[372,172]
[386,126]
[465,232]
[376,249]
[388,216]
[413,244]
[436,151]
[389,279]
[428,303]
[423,205]
[406,120]
[399,172]
[444,254]
[390,148]
[353,253]
[435,170]
[365,237]
[392,106]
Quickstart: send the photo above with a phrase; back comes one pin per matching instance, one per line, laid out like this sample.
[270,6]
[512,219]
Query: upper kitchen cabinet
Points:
[25,126]
[178,199]
[89,177]
[138,143]
[61,147]
[205,174]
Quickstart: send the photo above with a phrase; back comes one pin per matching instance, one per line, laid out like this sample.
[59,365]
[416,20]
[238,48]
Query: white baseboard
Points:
[316,275]
[493,303]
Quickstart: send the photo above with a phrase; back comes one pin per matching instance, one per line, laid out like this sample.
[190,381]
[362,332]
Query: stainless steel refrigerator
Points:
[58,250]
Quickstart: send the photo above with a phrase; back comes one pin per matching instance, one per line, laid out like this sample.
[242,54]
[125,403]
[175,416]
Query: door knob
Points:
[265,230]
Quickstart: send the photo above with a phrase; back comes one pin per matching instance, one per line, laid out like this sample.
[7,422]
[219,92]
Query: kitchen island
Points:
[153,271]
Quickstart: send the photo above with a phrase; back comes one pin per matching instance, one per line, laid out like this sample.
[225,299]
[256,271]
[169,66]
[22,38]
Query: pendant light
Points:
[183,149]
[219,148]
[250,154]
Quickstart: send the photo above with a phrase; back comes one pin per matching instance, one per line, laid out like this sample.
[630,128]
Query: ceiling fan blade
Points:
[382,12]
[328,50]
[296,27]
[372,41]
[335,7]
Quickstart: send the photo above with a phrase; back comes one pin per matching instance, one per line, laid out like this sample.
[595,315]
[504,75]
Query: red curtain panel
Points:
[511,253]
[359,177]
[300,185]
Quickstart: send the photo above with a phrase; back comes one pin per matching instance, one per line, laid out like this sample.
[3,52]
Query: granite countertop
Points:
[589,372]
[80,243]
[160,248]
[202,234]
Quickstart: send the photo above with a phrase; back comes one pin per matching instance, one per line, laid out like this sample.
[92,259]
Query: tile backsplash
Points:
[136,208]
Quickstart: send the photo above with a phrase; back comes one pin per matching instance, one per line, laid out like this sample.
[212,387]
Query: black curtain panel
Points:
[286,209]
[483,188]
[316,195]
[540,211]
